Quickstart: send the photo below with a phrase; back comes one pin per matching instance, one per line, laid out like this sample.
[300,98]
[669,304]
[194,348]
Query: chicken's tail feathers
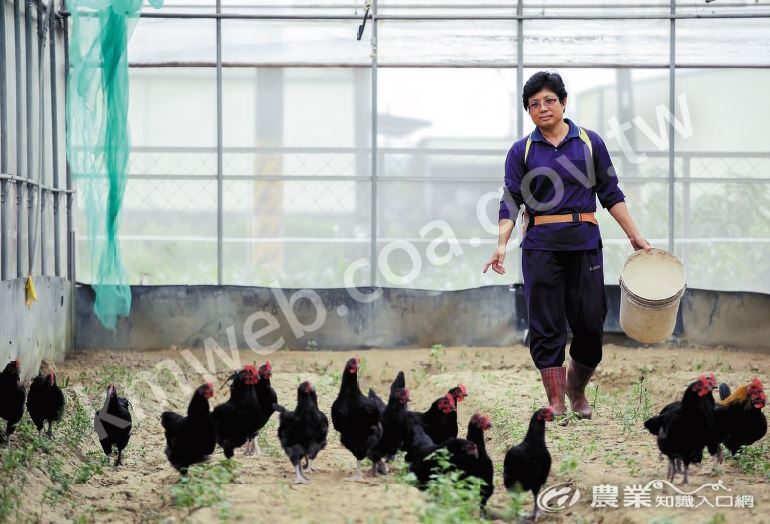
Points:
[168,419]
[724,391]
[399,382]
[653,424]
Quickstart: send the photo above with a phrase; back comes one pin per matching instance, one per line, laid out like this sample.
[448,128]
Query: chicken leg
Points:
[357,477]
[300,478]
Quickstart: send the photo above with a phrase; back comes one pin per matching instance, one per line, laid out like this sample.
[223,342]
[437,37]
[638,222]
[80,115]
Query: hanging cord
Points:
[42,23]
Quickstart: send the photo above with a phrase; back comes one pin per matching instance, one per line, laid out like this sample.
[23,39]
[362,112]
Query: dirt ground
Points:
[612,448]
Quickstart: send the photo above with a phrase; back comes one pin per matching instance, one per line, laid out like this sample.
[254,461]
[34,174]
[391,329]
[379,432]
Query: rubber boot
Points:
[554,381]
[578,376]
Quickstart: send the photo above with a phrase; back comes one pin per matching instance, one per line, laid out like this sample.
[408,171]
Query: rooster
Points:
[190,439]
[483,469]
[527,464]
[267,399]
[45,402]
[237,418]
[683,430]
[738,418]
[12,394]
[394,419]
[113,424]
[356,417]
[302,432]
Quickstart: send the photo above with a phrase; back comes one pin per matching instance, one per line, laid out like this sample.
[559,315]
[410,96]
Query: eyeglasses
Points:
[548,102]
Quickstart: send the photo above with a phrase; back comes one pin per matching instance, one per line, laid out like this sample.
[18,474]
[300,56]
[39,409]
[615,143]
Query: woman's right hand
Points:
[496,262]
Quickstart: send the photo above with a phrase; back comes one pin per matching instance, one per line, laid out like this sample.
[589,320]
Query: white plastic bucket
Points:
[651,288]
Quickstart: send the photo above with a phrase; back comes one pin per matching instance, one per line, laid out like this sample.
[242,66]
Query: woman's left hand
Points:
[639,242]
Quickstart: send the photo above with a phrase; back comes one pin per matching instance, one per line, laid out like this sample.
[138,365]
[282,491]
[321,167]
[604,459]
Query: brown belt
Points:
[570,217]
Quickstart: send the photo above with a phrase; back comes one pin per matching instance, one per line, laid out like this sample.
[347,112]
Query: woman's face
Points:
[545,109]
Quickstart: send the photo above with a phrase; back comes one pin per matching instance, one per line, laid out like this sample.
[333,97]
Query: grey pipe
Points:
[55,147]
[220,163]
[3,151]
[375,154]
[68,174]
[42,196]
[28,47]
[671,142]
[19,143]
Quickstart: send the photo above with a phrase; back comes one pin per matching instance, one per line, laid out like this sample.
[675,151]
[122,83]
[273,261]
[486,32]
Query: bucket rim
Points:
[654,301]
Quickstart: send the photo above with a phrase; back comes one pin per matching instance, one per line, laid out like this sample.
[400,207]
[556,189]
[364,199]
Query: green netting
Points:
[98,140]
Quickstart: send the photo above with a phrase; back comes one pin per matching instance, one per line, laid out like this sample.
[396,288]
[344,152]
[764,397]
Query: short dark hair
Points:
[543,80]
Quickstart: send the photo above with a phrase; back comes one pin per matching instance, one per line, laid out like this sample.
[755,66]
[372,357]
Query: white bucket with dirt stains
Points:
[651,288]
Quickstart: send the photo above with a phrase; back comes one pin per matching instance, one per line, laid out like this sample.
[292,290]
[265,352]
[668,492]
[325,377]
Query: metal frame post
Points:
[671,142]
[375,153]
[3,150]
[220,188]
[19,143]
[55,146]
[28,48]
[519,92]
[41,147]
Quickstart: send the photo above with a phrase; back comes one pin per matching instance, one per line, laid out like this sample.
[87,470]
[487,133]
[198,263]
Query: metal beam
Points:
[220,168]
[671,143]
[4,204]
[30,171]
[375,152]
[55,146]
[19,139]
[439,65]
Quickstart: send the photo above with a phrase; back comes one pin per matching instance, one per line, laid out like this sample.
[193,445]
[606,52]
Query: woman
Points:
[556,173]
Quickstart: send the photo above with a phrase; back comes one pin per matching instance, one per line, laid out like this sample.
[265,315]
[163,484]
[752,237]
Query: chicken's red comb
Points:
[267,365]
[482,420]
[18,364]
[251,368]
[450,398]
[756,383]
[463,389]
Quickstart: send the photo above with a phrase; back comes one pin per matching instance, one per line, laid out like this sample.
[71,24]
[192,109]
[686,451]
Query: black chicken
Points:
[463,454]
[190,439]
[302,432]
[113,424]
[483,469]
[683,430]
[527,464]
[458,393]
[236,419]
[45,402]
[356,417]
[267,398]
[13,394]
[394,420]
[738,418]
[438,422]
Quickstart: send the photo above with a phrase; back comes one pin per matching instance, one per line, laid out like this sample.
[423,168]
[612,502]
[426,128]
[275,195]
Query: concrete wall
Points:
[188,316]
[732,319]
[42,331]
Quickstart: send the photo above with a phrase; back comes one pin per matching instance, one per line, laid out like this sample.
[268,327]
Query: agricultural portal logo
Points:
[565,495]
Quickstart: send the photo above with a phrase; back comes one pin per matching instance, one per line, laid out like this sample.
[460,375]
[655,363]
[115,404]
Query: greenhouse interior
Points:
[401,213]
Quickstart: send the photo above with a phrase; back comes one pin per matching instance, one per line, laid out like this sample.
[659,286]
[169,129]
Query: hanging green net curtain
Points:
[98,139]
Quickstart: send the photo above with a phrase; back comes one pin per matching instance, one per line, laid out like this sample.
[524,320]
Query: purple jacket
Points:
[556,181]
